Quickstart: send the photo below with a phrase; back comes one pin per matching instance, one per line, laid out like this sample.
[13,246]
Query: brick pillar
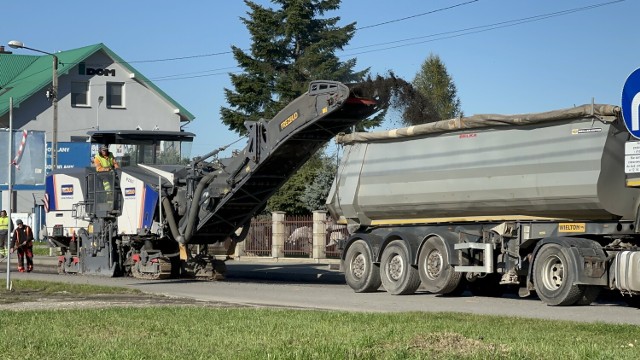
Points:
[277,233]
[240,249]
[319,234]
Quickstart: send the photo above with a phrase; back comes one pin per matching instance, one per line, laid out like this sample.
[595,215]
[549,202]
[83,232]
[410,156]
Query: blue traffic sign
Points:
[631,103]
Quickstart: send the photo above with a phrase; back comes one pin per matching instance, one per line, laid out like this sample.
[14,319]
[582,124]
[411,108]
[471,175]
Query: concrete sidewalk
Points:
[324,271]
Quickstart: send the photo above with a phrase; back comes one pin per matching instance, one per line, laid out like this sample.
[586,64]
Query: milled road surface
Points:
[341,297]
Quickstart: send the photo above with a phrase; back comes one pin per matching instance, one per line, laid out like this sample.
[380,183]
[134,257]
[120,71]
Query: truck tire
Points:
[360,273]
[436,273]
[553,277]
[397,275]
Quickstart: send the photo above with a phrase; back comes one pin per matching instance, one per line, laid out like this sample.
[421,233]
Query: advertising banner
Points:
[28,157]
[71,155]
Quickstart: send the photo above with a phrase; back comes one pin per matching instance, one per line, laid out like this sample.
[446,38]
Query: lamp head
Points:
[15,44]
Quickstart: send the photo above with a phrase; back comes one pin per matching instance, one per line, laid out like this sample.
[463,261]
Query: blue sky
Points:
[556,61]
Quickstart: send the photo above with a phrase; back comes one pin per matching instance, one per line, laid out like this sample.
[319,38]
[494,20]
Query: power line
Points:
[417,15]
[196,72]
[180,58]
[476,29]
[430,38]
[364,27]
[436,36]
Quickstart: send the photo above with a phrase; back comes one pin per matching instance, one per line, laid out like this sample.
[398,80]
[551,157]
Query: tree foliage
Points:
[288,198]
[434,83]
[393,92]
[291,46]
[315,194]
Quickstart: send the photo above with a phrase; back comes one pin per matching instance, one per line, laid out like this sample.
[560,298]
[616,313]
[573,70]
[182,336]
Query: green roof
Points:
[21,76]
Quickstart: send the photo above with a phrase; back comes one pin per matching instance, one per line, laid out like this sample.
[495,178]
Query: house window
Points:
[80,93]
[115,94]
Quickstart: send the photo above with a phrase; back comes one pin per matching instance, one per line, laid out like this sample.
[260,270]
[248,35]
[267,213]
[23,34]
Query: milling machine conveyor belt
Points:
[275,150]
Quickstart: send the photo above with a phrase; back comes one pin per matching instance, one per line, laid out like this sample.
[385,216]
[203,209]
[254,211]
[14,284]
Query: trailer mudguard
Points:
[374,242]
[412,241]
[449,239]
[589,260]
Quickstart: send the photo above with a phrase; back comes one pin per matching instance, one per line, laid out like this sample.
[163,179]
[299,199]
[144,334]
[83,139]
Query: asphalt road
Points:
[326,294]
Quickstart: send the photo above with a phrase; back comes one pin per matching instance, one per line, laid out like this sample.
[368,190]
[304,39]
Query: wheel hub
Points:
[358,266]
[553,273]
[395,268]
[433,265]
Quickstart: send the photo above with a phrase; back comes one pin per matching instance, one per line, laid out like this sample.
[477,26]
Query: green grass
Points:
[41,249]
[247,333]
[33,290]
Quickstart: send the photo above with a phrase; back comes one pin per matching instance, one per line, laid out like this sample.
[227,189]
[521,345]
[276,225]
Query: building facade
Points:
[97,90]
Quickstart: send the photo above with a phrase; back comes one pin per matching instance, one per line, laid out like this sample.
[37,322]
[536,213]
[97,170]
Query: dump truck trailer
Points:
[535,202]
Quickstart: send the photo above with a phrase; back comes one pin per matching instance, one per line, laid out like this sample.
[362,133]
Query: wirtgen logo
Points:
[66,190]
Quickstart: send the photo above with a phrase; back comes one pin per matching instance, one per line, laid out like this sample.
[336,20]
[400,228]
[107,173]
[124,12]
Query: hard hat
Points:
[104,147]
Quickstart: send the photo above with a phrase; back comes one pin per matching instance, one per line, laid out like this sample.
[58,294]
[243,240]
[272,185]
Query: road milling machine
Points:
[144,219]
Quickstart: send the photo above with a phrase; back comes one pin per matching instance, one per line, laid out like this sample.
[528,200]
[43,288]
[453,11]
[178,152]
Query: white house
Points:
[97,90]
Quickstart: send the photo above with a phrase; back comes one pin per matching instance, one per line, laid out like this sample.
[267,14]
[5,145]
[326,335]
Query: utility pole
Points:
[54,102]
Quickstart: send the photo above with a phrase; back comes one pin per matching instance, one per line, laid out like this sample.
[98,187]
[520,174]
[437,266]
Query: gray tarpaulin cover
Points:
[607,113]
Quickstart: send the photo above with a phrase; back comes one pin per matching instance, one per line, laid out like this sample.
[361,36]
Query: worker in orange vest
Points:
[22,240]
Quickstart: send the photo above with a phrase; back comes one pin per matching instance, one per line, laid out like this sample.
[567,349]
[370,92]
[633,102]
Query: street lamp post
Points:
[100,98]
[54,100]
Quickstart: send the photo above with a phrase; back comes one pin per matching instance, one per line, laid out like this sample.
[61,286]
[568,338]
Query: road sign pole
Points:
[10,190]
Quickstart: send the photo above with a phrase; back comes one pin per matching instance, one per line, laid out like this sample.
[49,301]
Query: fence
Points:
[293,236]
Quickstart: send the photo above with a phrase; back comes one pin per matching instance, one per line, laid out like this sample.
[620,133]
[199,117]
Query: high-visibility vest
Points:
[106,162]
[4,223]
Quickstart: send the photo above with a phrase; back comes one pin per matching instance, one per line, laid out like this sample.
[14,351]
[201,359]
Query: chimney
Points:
[2,51]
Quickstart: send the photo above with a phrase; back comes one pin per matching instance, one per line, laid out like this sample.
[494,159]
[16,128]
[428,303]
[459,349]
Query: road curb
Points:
[264,269]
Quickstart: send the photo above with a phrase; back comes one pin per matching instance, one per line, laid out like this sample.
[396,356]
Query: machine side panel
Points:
[63,191]
[140,202]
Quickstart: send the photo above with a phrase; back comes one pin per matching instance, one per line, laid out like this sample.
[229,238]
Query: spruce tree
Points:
[291,46]
[435,84]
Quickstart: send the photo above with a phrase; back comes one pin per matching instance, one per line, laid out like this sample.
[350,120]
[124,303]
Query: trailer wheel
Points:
[553,278]
[436,273]
[360,272]
[397,275]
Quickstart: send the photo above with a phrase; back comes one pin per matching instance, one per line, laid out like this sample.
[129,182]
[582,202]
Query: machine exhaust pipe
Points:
[193,209]
[171,220]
